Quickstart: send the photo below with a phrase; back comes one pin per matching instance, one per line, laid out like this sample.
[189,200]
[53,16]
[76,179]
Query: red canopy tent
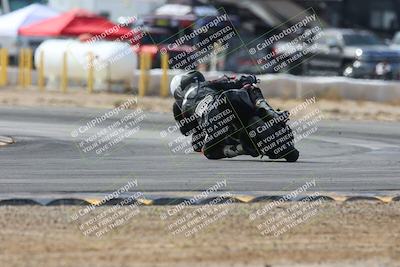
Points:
[74,23]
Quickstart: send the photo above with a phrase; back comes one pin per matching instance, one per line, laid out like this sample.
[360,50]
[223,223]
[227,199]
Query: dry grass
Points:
[366,233]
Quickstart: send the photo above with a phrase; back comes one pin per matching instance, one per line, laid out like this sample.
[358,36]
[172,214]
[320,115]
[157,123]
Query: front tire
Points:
[292,156]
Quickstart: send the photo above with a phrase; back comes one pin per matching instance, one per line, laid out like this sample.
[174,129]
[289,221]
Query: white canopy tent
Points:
[11,22]
[182,10]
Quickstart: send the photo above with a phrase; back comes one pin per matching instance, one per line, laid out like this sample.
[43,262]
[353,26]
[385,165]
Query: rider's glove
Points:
[248,79]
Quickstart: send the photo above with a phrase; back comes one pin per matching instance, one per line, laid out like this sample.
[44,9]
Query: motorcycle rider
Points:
[198,102]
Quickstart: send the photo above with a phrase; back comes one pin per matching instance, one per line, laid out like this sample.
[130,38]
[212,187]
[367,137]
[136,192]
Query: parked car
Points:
[353,53]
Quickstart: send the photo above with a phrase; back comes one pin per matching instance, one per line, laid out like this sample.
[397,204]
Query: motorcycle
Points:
[272,136]
[264,131]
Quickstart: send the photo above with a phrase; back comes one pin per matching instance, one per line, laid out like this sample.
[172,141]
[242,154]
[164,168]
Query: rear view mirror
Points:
[333,44]
[387,41]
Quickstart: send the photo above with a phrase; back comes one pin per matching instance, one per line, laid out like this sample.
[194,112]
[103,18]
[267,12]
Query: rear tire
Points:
[293,156]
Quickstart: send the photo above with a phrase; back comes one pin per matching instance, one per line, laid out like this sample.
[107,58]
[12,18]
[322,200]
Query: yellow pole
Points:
[2,66]
[41,72]
[142,78]
[64,74]
[90,80]
[21,67]
[148,67]
[145,66]
[28,67]
[164,77]
[5,73]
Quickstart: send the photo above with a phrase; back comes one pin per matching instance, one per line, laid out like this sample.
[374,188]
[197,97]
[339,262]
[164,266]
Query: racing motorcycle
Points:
[270,135]
[264,131]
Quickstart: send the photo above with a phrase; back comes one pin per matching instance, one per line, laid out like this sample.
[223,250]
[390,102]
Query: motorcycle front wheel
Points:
[292,156]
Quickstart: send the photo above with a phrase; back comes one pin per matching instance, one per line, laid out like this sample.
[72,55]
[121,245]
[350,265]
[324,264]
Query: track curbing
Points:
[173,201]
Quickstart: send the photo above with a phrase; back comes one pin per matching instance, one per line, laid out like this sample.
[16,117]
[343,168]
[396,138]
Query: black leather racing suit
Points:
[208,110]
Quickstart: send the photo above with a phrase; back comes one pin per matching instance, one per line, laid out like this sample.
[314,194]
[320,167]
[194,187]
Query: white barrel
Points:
[113,61]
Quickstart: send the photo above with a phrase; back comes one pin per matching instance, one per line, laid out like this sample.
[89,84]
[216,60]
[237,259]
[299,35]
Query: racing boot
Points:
[263,109]
[248,145]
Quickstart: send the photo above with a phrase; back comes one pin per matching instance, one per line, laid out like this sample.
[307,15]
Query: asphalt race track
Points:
[340,156]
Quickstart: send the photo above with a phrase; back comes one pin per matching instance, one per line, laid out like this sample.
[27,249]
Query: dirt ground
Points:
[331,108]
[338,234]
